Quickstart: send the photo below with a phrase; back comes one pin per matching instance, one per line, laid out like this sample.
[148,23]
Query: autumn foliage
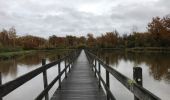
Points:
[158,35]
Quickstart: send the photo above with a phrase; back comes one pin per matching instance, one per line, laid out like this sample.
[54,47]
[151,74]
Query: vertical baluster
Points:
[92,61]
[95,62]
[137,76]
[59,71]
[69,63]
[99,74]
[107,77]
[65,62]
[0,83]
[45,79]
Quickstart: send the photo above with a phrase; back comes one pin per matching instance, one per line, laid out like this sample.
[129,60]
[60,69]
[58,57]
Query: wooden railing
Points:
[135,86]
[12,85]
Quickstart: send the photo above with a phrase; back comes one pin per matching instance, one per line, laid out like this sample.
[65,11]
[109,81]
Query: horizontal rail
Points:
[41,95]
[104,84]
[137,90]
[101,79]
[12,85]
[45,91]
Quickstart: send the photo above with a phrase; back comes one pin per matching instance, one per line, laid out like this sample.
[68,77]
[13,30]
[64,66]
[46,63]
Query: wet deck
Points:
[80,84]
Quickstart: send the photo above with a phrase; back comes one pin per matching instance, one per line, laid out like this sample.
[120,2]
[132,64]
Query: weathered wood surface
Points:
[14,84]
[80,84]
[136,89]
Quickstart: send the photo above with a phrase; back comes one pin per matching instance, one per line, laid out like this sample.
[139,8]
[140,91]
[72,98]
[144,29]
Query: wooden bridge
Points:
[80,84]
[83,80]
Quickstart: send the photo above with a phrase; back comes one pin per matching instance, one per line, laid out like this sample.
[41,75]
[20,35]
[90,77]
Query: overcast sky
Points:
[79,17]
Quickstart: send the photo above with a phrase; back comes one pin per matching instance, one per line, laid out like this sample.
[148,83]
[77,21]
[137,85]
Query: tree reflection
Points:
[158,63]
[10,67]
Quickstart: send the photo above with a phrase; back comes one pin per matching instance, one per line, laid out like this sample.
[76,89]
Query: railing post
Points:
[45,79]
[69,64]
[65,62]
[99,74]
[95,62]
[92,62]
[107,77]
[137,76]
[59,71]
[0,83]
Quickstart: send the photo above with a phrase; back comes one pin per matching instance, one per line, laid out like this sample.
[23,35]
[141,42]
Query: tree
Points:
[55,41]
[31,42]
[160,30]
[4,39]
[71,41]
[91,42]
[111,39]
[12,35]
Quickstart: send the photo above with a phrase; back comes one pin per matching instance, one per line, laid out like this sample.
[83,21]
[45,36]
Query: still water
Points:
[13,68]
[156,73]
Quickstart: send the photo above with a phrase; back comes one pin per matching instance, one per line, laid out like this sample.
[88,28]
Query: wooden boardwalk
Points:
[81,84]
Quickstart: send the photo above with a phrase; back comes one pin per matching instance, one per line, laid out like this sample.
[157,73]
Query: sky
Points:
[79,17]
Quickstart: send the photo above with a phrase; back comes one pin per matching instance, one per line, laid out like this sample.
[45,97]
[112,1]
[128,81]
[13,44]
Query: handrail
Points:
[100,78]
[137,90]
[42,94]
[12,85]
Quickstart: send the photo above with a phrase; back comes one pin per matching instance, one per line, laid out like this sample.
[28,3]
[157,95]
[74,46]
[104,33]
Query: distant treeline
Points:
[158,35]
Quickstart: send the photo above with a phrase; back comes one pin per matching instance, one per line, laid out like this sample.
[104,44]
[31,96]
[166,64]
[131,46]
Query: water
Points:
[156,74]
[13,68]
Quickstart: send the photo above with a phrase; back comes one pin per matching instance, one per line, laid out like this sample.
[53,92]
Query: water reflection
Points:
[14,68]
[158,63]
[10,67]
[156,77]
[155,72]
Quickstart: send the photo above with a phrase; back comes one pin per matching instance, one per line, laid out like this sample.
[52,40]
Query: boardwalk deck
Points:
[80,84]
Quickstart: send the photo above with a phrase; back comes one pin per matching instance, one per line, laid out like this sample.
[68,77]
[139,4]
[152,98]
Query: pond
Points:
[13,68]
[155,66]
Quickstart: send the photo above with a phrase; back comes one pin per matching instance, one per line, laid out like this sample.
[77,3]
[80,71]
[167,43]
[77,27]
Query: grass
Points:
[12,54]
[9,55]
[10,49]
[149,49]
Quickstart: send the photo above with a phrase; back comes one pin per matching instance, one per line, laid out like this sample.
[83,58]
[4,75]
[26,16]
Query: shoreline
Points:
[10,55]
[141,49]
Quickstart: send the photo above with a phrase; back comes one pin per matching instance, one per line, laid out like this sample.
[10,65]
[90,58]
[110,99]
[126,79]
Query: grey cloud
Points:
[44,18]
[138,14]
[164,3]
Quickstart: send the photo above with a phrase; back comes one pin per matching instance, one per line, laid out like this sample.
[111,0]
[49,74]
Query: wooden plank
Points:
[109,93]
[41,95]
[107,77]
[12,85]
[0,83]
[45,79]
[137,76]
[137,90]
[59,71]
[81,84]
